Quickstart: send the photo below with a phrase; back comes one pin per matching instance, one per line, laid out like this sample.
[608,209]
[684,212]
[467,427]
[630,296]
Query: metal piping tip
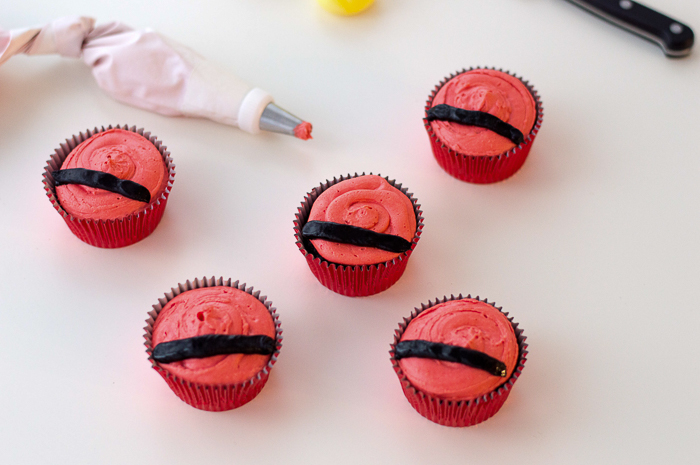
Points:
[275,119]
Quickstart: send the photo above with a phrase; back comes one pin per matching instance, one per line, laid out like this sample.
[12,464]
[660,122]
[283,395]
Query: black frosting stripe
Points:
[348,234]
[212,344]
[101,180]
[444,112]
[449,353]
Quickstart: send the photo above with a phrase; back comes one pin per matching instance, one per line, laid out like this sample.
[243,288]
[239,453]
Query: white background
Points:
[593,245]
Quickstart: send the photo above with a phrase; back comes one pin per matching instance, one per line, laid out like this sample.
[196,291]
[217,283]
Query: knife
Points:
[675,38]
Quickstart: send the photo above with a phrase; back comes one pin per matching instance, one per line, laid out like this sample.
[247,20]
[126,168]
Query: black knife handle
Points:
[674,37]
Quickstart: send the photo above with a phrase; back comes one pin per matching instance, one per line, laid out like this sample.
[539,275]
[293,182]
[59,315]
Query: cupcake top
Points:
[124,154]
[219,310]
[469,324]
[490,91]
[368,202]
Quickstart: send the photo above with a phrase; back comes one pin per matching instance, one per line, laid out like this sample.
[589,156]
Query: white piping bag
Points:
[149,71]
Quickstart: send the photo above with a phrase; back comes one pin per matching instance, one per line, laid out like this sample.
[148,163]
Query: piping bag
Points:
[149,71]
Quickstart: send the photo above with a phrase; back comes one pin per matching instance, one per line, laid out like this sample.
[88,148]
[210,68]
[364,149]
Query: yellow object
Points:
[345,7]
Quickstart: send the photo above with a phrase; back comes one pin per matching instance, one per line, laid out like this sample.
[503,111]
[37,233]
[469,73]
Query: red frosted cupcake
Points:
[214,342]
[357,233]
[457,359]
[482,123]
[110,185]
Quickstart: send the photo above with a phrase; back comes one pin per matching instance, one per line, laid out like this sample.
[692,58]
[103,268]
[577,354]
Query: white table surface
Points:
[593,246]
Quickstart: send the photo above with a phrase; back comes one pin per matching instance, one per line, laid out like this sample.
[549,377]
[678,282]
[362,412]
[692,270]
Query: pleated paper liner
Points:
[482,169]
[118,232]
[353,280]
[458,412]
[213,397]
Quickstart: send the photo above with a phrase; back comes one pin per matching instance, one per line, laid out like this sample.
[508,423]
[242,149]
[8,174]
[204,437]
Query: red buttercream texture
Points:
[122,153]
[467,323]
[368,202]
[214,310]
[491,91]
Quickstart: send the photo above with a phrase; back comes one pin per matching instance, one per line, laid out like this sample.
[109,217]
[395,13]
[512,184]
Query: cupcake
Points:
[457,359]
[482,123]
[214,342]
[357,233]
[110,185]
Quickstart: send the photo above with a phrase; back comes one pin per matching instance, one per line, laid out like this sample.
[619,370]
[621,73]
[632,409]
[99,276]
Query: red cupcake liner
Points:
[118,232]
[457,412]
[353,280]
[481,169]
[213,397]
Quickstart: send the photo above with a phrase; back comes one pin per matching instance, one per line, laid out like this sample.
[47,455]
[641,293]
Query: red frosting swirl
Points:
[368,202]
[124,154]
[214,310]
[467,323]
[491,91]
